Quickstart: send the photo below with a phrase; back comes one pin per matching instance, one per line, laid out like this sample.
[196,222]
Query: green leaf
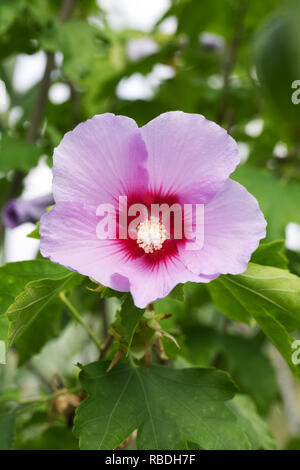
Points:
[38,330]
[7,426]
[279,336]
[229,304]
[134,328]
[276,290]
[269,295]
[168,407]
[270,254]
[130,316]
[108,292]
[16,154]
[29,305]
[53,438]
[256,429]
[9,11]
[77,41]
[245,360]
[279,200]
[35,233]
[34,317]
[178,293]
[293,444]
[278,64]
[15,276]
[251,369]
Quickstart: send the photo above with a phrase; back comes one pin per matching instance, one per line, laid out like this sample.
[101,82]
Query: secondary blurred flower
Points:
[176,158]
[139,48]
[211,41]
[19,211]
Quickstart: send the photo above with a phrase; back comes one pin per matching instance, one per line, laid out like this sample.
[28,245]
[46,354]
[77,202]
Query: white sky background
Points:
[135,14]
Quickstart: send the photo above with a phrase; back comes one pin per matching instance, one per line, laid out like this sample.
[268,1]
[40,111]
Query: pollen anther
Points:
[151,235]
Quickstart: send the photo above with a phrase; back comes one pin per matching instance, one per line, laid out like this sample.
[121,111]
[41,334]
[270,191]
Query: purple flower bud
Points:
[18,211]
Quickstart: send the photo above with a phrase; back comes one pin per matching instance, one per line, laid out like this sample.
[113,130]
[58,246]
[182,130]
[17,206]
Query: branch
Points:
[40,104]
[286,385]
[44,398]
[76,315]
[106,347]
[231,59]
[66,10]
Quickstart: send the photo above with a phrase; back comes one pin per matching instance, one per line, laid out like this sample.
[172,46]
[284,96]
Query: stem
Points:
[42,97]
[66,10]
[287,386]
[41,101]
[35,122]
[25,404]
[105,348]
[217,359]
[104,319]
[127,441]
[231,59]
[38,374]
[76,315]
[44,399]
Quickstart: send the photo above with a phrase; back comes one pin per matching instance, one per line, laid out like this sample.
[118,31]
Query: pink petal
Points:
[188,155]
[233,227]
[150,284]
[68,237]
[100,160]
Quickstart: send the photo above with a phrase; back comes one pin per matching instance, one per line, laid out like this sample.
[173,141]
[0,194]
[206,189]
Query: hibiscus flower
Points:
[177,158]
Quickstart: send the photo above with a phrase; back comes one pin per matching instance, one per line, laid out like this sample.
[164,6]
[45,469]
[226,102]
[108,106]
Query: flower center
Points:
[151,235]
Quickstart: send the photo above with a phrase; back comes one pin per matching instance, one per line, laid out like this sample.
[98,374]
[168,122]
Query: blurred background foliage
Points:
[233,61]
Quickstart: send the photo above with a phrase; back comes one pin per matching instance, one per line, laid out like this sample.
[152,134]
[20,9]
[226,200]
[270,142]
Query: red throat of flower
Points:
[153,240]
